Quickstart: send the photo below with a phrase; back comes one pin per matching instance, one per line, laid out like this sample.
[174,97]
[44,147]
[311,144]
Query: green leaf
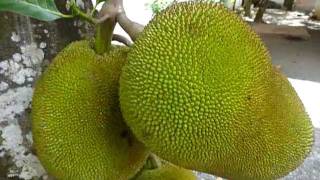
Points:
[44,10]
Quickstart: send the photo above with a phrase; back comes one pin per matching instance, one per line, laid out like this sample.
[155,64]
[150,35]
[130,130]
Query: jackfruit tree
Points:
[288,4]
[196,90]
[316,14]
[261,4]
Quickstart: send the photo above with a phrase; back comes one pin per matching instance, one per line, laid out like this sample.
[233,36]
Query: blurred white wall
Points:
[305,5]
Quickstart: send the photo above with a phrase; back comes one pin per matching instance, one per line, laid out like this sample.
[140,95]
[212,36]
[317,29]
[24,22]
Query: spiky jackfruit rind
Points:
[77,125]
[167,172]
[199,90]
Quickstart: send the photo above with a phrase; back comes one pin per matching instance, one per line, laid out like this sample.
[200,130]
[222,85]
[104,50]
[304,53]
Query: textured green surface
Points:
[77,126]
[167,172]
[200,91]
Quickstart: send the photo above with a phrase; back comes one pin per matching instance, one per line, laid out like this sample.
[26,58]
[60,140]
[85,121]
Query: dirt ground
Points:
[299,59]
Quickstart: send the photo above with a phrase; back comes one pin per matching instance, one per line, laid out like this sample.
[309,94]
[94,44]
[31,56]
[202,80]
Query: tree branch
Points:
[122,39]
[114,8]
[110,9]
[77,12]
[132,28]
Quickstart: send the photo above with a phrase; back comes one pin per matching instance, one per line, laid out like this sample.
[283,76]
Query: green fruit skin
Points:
[167,172]
[199,90]
[77,125]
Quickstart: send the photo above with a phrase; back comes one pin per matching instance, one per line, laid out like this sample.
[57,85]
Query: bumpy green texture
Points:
[77,126]
[199,90]
[167,172]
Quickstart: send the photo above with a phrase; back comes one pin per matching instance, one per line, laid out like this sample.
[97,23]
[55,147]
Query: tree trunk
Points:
[26,47]
[247,8]
[288,4]
[262,8]
[317,10]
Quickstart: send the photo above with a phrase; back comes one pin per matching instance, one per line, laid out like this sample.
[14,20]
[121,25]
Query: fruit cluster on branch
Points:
[195,91]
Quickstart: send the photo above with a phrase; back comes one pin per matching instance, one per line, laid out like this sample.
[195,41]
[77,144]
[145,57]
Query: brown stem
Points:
[132,28]
[122,39]
[114,8]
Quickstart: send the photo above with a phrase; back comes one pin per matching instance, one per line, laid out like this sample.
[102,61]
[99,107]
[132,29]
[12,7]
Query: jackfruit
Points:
[77,125]
[167,172]
[199,90]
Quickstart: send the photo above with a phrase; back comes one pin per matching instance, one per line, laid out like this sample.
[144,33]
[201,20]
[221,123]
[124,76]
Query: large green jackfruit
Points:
[199,90]
[77,126]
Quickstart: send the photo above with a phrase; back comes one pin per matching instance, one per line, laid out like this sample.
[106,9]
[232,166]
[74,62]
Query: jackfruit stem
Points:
[152,162]
[105,26]
[155,161]
[103,36]
[122,39]
[114,8]
[132,28]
